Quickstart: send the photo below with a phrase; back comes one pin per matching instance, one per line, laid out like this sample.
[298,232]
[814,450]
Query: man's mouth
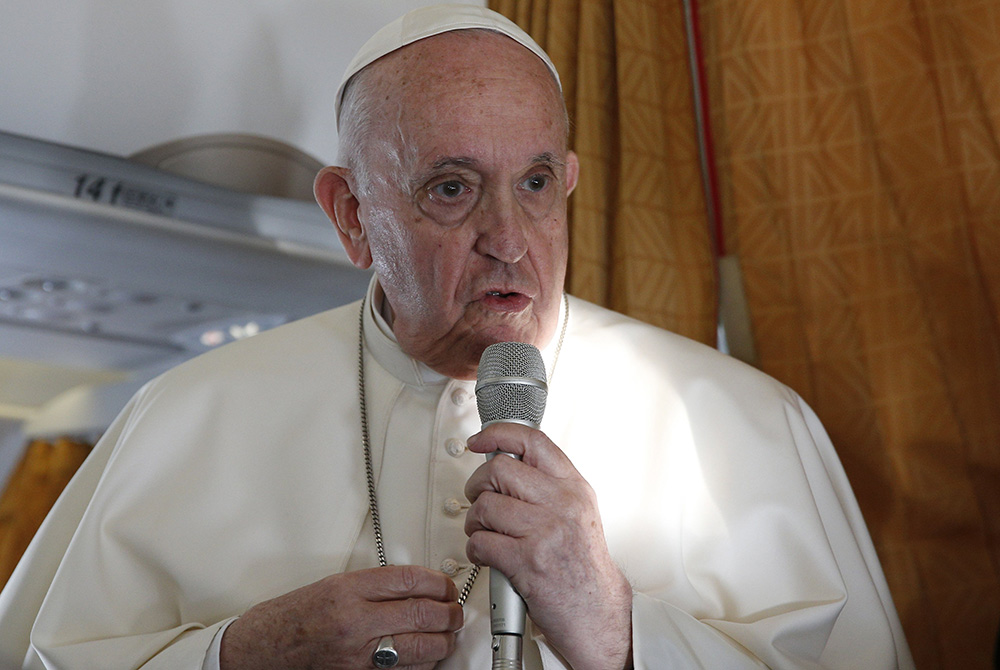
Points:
[505,301]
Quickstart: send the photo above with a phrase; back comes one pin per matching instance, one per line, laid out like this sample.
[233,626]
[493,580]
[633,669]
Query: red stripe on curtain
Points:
[706,142]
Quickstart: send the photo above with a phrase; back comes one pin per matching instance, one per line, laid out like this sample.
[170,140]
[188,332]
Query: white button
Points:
[459,397]
[455,447]
[453,506]
[450,567]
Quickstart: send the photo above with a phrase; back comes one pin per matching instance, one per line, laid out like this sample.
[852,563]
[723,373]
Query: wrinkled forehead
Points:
[426,22]
[472,98]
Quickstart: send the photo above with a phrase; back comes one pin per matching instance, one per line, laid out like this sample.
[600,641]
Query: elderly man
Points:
[680,510]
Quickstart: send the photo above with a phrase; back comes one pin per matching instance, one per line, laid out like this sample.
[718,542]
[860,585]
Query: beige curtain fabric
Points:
[860,168]
[638,231]
[32,489]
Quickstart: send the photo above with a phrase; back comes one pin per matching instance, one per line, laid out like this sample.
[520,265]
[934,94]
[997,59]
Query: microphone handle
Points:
[507,616]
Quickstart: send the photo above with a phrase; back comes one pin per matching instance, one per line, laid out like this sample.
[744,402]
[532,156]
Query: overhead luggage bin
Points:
[106,262]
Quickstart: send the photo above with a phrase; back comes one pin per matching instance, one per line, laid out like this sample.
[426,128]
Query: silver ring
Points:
[385,655]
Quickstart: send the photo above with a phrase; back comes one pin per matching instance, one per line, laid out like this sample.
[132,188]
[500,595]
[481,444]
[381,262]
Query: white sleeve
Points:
[859,628]
[868,591]
[24,592]
[211,661]
[184,531]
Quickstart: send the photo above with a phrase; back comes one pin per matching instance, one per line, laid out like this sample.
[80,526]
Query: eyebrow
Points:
[546,158]
[441,165]
[453,161]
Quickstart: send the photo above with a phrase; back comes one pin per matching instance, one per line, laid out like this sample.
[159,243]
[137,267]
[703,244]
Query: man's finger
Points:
[397,582]
[501,514]
[415,649]
[419,615]
[533,446]
[509,477]
[494,550]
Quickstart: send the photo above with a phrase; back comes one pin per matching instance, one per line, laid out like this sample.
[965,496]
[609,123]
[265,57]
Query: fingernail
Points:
[472,440]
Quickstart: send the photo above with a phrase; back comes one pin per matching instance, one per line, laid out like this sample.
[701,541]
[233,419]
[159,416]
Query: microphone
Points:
[510,388]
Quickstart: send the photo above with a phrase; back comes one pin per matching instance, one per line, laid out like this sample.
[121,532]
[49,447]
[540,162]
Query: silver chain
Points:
[366,442]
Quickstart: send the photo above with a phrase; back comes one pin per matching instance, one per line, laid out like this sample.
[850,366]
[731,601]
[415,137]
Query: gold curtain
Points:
[859,170]
[638,233]
[859,161]
[39,478]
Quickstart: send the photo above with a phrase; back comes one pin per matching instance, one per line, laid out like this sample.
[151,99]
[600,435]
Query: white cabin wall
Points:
[119,76]
[122,75]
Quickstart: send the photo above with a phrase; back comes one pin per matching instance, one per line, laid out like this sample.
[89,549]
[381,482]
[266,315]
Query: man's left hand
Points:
[536,520]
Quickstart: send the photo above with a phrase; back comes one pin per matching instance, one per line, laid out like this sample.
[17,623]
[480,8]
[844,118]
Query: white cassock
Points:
[239,476]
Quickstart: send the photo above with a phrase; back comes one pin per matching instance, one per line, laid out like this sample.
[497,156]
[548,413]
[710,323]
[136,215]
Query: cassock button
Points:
[450,567]
[455,447]
[453,507]
[459,397]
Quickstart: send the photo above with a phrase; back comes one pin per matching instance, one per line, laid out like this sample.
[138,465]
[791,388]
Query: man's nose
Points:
[502,233]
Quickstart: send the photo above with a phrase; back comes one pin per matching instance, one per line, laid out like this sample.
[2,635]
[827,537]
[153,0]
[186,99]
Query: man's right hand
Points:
[337,622]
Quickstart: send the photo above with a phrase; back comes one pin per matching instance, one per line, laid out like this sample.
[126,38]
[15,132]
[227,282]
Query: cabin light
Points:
[239,332]
[212,338]
[219,332]
[48,285]
[83,305]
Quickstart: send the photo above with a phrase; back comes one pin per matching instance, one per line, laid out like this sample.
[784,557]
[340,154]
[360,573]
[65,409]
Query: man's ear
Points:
[334,193]
[572,171]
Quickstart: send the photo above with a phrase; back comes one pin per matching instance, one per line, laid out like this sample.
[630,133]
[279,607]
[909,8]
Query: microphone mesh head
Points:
[511,384]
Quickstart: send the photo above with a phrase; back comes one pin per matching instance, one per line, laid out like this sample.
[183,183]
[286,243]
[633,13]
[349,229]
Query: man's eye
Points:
[535,182]
[448,199]
[449,189]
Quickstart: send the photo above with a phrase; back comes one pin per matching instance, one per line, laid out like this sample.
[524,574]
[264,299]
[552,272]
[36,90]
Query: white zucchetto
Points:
[426,22]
